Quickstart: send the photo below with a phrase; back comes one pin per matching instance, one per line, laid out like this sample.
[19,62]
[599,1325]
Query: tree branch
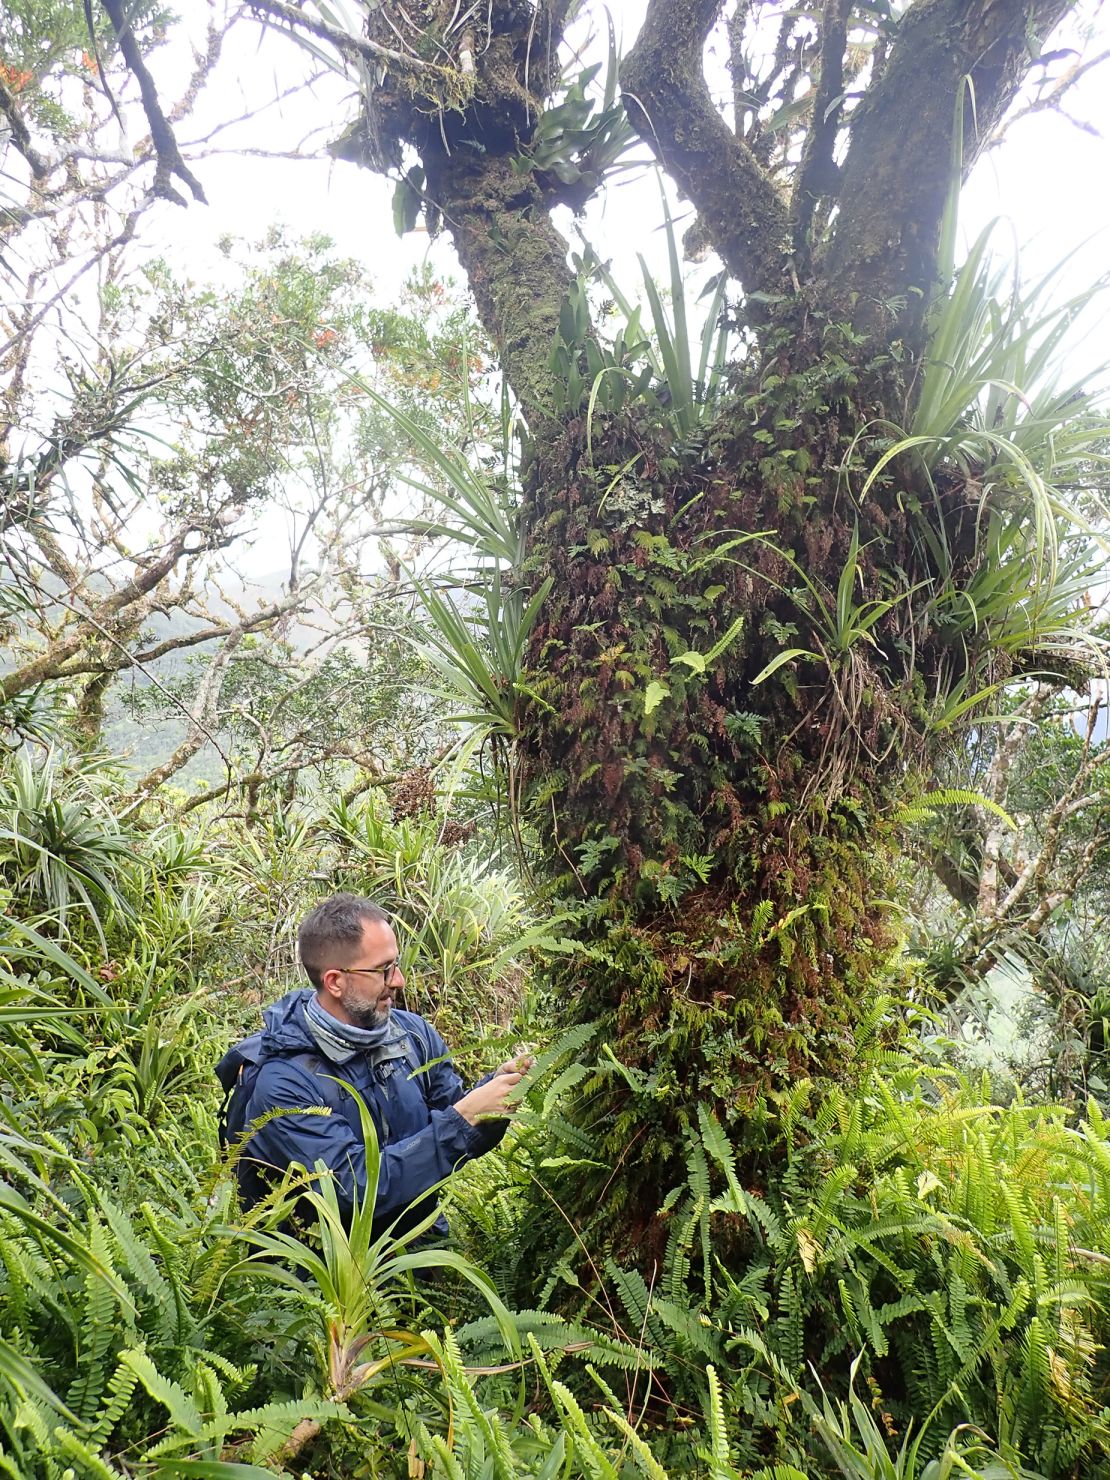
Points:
[964,888]
[1035,873]
[252,623]
[52,662]
[201,721]
[669,104]
[345,42]
[256,778]
[162,137]
[468,127]
[121,238]
[995,786]
[818,174]
[882,262]
[1053,97]
[20,133]
[123,660]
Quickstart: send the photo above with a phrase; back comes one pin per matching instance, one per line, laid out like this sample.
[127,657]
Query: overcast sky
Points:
[1048,181]
[1050,178]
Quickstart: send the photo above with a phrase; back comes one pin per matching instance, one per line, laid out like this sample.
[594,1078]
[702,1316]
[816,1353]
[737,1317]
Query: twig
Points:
[1051,99]
[343,41]
[162,136]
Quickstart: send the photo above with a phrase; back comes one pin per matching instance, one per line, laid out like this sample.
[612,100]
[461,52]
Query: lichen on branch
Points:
[668,101]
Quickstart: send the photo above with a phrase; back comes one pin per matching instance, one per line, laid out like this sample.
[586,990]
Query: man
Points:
[349,1028]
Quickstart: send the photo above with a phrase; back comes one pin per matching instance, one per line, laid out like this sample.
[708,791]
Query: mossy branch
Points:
[669,104]
[896,178]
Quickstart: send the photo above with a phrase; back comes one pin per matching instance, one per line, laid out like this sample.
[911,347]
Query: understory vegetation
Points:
[902,1275]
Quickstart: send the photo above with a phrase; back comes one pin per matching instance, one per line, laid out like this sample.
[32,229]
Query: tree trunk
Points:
[723,818]
[733,833]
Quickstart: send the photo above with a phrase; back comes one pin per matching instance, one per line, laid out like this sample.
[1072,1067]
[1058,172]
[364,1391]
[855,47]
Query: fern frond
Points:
[924,807]
[273,1424]
[90,1465]
[646,1462]
[595,1463]
[162,1303]
[715,1424]
[568,1046]
[98,1327]
[790,1324]
[633,1293]
[452,1470]
[744,1336]
[695,1332]
[181,1407]
[553,1335]
[117,1400]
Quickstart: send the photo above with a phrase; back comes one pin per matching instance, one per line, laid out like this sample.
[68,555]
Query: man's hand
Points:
[490,1098]
[520,1065]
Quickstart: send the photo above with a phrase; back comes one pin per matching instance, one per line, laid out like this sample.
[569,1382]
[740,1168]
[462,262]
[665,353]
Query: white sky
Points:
[1050,178]
[1049,181]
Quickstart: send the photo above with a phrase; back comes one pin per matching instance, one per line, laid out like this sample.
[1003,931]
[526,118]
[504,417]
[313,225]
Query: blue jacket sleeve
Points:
[408,1169]
[443,1086]
[441,1082]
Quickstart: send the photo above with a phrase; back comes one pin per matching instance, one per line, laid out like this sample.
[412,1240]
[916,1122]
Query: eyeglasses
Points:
[386,972]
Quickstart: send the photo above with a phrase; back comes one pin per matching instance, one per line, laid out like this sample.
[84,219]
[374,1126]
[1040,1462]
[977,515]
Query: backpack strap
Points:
[238,1068]
[322,1069]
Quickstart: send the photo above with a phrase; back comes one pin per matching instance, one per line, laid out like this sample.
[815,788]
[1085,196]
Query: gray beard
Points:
[366,1017]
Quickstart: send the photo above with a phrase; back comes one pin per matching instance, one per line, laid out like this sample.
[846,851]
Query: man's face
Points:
[359,988]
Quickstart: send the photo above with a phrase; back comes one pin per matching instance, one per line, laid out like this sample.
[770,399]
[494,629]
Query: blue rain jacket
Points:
[422,1139]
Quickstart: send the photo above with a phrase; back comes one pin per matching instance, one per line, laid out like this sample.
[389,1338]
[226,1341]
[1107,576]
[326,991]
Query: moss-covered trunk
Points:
[729,833]
[731,673]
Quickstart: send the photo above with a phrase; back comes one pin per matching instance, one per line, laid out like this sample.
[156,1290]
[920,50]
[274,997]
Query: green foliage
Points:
[353,1274]
[860,1451]
[482,670]
[719,725]
[947,1250]
[678,379]
[924,806]
[132,1315]
[992,412]
[694,385]
[47,45]
[61,846]
[921,1225]
[465,925]
[579,139]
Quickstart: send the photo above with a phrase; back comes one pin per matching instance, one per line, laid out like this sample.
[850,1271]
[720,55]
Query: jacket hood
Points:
[284,1027]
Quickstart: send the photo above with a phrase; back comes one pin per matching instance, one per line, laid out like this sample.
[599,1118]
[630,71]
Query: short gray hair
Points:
[333,928]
